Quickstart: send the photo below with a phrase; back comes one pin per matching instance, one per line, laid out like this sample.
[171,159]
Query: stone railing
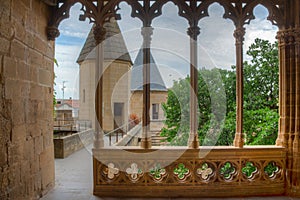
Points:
[71,125]
[131,138]
[116,136]
[66,145]
[181,172]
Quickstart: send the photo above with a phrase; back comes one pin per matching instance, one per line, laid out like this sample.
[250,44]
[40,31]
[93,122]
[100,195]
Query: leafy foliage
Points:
[249,170]
[205,171]
[261,126]
[227,170]
[217,119]
[261,76]
[157,172]
[271,169]
[54,92]
[181,171]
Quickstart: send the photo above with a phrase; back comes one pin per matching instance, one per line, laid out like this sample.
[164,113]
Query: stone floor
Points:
[74,180]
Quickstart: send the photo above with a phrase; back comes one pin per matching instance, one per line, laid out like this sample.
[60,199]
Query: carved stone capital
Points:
[239,34]
[286,37]
[52,33]
[297,35]
[193,32]
[99,33]
[147,33]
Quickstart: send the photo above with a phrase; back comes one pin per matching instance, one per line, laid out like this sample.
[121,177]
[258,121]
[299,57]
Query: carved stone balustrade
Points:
[183,172]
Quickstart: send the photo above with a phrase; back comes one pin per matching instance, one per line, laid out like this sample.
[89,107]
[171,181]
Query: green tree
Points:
[261,76]
[219,85]
[211,105]
[54,92]
[261,93]
[177,112]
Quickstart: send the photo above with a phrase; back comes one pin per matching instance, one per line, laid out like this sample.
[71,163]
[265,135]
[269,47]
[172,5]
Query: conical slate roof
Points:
[114,47]
[156,81]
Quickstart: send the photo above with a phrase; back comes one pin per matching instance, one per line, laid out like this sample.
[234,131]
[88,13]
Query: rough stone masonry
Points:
[26,80]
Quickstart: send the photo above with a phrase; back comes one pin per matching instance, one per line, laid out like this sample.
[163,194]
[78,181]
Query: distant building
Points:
[158,92]
[66,109]
[117,63]
[122,83]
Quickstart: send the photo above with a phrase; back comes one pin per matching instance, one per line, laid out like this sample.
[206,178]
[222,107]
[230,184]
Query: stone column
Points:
[99,35]
[296,144]
[193,141]
[289,101]
[283,47]
[239,34]
[147,32]
[287,89]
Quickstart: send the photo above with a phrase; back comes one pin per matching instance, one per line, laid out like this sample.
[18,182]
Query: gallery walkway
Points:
[74,180]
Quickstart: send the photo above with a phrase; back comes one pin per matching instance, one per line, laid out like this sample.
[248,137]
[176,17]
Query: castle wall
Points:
[26,100]
[156,97]
[86,91]
[115,90]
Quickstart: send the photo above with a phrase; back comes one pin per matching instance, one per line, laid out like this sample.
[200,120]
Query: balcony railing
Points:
[182,172]
[117,134]
[71,125]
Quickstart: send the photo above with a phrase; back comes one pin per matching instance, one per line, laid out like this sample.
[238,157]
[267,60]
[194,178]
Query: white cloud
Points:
[68,46]
[67,55]
[72,27]
[71,78]
[68,70]
[170,74]
[73,34]
[216,40]
[262,29]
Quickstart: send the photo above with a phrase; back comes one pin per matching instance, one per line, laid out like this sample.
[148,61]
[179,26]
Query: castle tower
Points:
[158,92]
[116,90]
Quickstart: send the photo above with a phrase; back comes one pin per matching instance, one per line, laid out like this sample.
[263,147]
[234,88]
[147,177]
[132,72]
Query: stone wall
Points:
[115,90]
[26,80]
[156,97]
[65,146]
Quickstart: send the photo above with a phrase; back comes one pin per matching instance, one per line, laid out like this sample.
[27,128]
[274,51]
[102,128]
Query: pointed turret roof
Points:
[156,81]
[114,47]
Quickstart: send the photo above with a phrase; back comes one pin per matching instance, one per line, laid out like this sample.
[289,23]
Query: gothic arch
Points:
[275,10]
[99,12]
[96,12]
[242,13]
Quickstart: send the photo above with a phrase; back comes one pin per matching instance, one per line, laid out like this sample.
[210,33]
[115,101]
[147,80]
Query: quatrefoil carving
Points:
[205,171]
[111,171]
[272,169]
[181,171]
[157,172]
[228,171]
[134,171]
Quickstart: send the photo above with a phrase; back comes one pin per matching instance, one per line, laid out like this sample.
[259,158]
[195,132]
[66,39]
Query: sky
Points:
[170,43]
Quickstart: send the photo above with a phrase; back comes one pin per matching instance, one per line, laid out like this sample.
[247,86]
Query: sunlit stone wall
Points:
[26,80]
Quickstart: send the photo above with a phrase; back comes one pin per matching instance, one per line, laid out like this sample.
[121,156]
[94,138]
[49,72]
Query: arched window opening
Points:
[210,55]
[261,81]
[216,92]
[122,38]
[121,74]
[68,88]
[172,61]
